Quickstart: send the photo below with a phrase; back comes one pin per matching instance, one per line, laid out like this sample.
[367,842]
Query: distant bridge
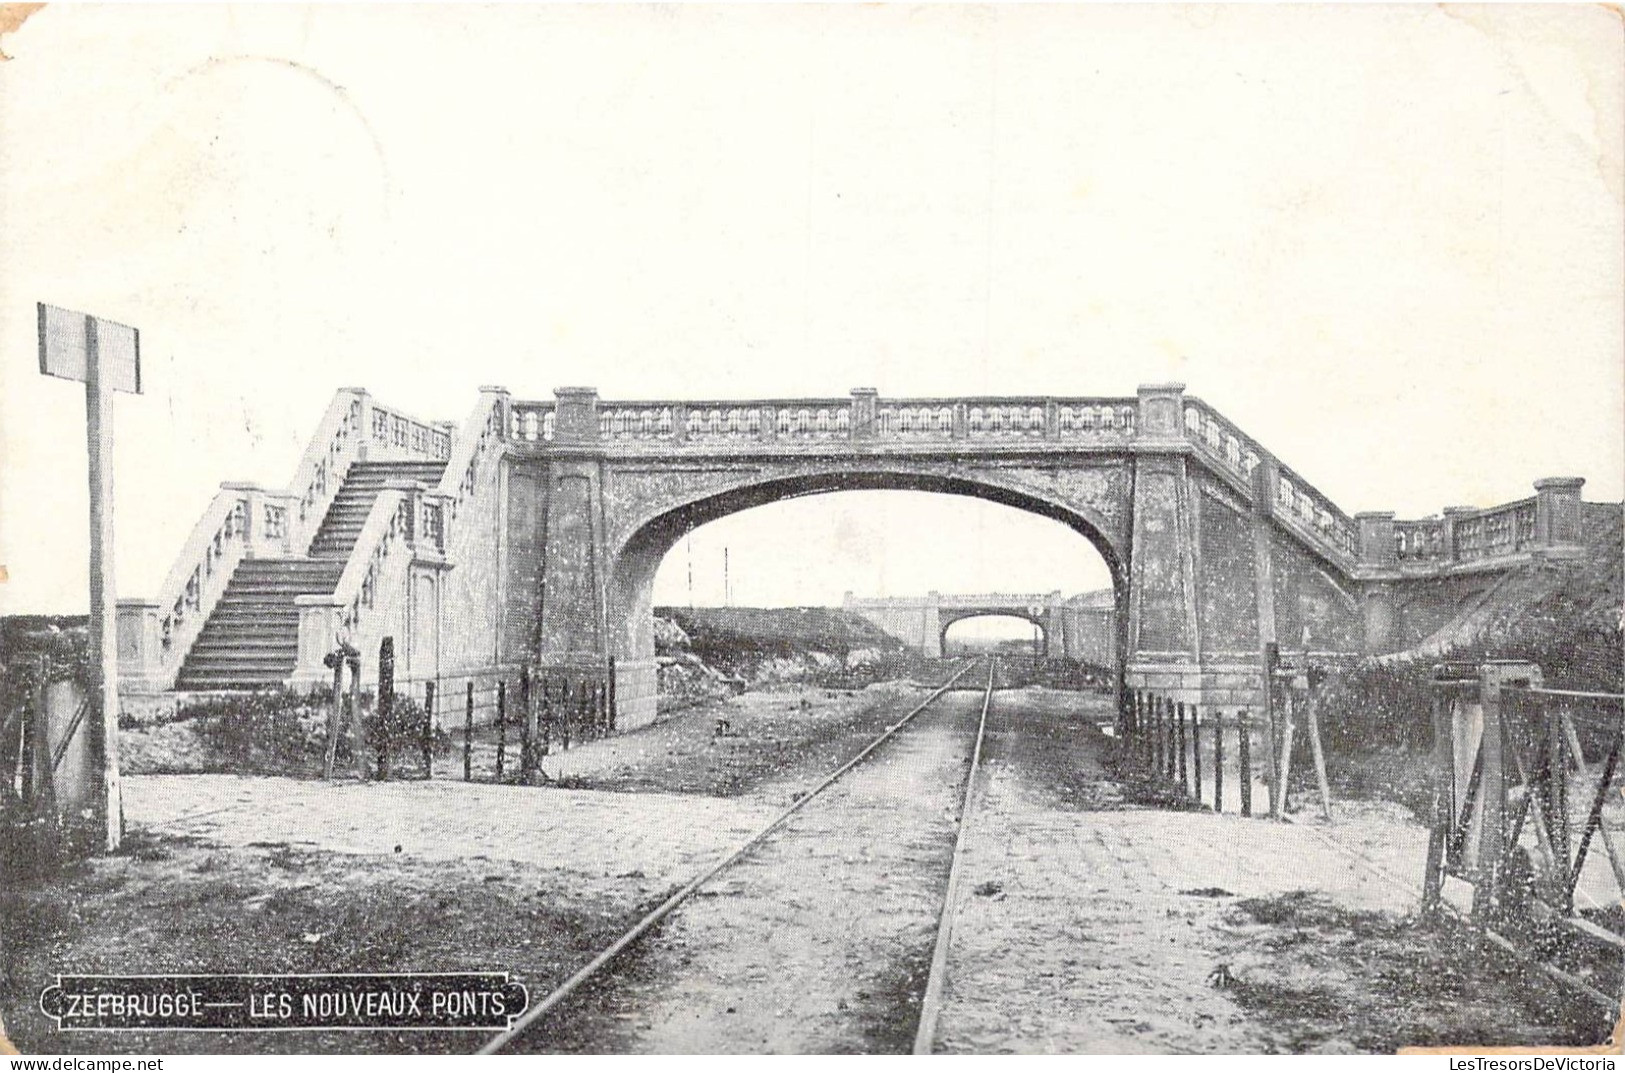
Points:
[1080,627]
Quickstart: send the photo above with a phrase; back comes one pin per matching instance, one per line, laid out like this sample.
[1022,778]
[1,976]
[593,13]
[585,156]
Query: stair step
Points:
[214,684]
[277,664]
[276,661]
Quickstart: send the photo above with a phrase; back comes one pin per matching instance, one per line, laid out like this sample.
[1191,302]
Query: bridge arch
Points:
[634,560]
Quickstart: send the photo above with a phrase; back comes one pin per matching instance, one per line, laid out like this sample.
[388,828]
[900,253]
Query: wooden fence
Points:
[50,756]
[1525,776]
[1231,758]
[494,724]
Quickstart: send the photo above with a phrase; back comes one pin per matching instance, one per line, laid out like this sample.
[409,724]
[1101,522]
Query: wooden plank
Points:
[1594,820]
[1444,819]
[1492,840]
[1311,712]
[335,725]
[1577,757]
[1601,934]
[1284,769]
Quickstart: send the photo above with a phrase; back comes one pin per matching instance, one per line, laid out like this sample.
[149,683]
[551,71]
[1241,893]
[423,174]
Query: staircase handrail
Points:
[396,527]
[328,454]
[389,524]
[481,433]
[156,634]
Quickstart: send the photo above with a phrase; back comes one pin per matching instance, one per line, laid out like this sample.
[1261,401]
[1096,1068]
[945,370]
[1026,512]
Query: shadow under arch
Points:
[970,616]
[634,563]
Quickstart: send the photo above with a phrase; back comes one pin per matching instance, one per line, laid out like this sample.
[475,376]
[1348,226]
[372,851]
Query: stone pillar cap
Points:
[1460,510]
[1147,389]
[865,391]
[1559,482]
[575,392]
[496,389]
[1374,515]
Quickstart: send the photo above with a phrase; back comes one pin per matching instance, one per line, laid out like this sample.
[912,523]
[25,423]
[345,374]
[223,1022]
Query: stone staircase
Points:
[342,524]
[251,638]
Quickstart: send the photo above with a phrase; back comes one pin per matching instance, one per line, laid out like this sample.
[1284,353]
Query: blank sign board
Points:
[64,348]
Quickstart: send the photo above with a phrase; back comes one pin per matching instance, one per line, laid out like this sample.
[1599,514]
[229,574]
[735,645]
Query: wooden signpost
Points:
[106,357]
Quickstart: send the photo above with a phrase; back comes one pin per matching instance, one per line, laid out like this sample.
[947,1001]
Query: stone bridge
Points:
[1081,627]
[531,533]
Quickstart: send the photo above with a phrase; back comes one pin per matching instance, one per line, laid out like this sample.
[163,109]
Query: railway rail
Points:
[931,1004]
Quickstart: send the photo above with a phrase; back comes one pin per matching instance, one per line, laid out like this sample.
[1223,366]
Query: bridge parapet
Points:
[1159,418]
[1277,489]
[1545,523]
[863,417]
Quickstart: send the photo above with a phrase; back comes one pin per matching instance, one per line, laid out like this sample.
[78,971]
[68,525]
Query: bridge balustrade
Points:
[1419,541]
[1503,530]
[904,420]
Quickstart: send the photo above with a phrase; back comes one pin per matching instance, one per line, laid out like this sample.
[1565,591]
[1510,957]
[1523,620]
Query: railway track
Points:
[528,1022]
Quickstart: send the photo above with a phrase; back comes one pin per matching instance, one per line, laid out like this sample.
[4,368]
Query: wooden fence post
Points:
[552,712]
[352,714]
[564,721]
[35,757]
[1444,807]
[1244,761]
[1196,750]
[1492,787]
[428,729]
[468,734]
[502,724]
[1185,774]
[527,719]
[1557,783]
[1272,660]
[1170,741]
[334,725]
[1311,712]
[1148,735]
[1156,736]
[386,703]
[1289,704]
[1134,745]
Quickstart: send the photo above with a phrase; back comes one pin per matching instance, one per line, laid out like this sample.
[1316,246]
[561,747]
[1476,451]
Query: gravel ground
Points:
[1087,923]
[818,941]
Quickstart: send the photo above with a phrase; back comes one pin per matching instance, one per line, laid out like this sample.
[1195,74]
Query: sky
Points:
[1384,240]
